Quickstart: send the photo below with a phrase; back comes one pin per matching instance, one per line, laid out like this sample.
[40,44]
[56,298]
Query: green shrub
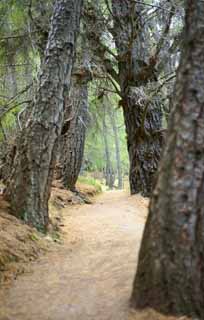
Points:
[92,182]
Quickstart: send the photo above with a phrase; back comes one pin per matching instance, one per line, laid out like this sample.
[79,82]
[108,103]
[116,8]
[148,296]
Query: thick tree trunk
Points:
[30,183]
[144,140]
[143,118]
[112,116]
[170,274]
[72,141]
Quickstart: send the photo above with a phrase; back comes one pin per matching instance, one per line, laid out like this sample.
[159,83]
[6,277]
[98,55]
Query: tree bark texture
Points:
[170,274]
[39,13]
[29,186]
[143,118]
[144,140]
[72,141]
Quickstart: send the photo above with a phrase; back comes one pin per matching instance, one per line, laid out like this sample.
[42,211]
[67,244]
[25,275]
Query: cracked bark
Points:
[144,138]
[29,185]
[72,141]
[170,274]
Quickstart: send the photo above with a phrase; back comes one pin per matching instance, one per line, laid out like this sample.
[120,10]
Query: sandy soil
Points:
[20,244]
[89,276]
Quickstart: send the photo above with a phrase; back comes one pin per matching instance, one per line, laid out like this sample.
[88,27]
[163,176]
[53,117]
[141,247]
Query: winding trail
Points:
[90,276]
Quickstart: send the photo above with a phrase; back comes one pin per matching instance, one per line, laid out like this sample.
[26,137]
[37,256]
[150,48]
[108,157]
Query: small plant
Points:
[34,237]
[92,182]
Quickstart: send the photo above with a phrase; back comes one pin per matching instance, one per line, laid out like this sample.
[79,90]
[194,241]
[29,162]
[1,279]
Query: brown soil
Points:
[89,276]
[20,244]
[151,315]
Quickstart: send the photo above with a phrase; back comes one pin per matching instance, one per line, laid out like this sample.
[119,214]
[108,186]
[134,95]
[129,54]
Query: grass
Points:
[91,182]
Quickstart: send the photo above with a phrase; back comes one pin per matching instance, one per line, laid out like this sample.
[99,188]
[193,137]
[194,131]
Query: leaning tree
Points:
[30,182]
[170,274]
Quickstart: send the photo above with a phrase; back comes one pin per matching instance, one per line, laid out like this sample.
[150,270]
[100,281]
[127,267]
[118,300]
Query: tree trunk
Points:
[109,174]
[12,83]
[170,274]
[112,115]
[11,69]
[30,183]
[39,13]
[143,118]
[144,140]
[73,139]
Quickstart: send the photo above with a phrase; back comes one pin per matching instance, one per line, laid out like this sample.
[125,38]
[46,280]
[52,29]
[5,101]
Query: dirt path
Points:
[90,276]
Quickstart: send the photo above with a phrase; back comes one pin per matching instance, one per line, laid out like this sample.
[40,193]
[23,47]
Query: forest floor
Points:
[89,275]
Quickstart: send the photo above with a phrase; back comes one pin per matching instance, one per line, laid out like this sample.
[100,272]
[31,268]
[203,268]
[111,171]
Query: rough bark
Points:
[144,140]
[72,141]
[143,118]
[29,186]
[170,274]
[39,13]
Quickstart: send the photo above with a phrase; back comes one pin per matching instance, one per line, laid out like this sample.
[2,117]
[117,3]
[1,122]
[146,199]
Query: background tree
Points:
[25,26]
[170,274]
[124,42]
[114,121]
[95,159]
[108,170]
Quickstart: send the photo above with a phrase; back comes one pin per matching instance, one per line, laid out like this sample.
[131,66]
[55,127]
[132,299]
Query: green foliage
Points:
[18,61]
[92,182]
[34,237]
[94,148]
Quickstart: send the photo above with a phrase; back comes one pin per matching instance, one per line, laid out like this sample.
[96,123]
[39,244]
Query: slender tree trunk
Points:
[30,183]
[12,83]
[170,274]
[11,70]
[143,119]
[112,115]
[109,174]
